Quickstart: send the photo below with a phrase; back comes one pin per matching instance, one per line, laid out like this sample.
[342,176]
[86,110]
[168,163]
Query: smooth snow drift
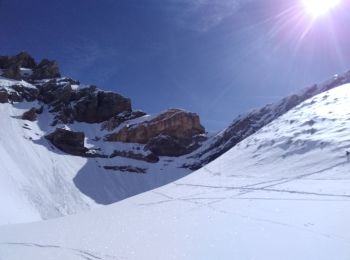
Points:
[282,193]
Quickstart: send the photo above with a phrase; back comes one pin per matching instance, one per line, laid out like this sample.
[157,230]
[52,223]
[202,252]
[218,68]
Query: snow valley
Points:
[273,185]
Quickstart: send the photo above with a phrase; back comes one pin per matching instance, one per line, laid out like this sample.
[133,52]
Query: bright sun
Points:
[317,8]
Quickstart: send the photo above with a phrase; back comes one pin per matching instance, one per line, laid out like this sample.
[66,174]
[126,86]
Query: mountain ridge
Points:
[114,151]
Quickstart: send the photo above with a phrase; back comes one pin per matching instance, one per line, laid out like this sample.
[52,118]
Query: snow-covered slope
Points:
[283,193]
[249,123]
[35,183]
[38,181]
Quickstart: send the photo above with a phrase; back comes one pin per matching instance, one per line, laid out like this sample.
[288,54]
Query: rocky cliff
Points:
[172,133]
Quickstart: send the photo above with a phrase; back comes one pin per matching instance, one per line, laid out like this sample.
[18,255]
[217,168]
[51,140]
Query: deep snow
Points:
[282,193]
[38,181]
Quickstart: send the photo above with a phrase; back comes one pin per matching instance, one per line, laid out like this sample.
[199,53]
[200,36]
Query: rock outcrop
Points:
[87,104]
[23,66]
[165,145]
[169,134]
[126,168]
[46,69]
[174,122]
[18,93]
[100,106]
[30,115]
[4,97]
[117,120]
[151,158]
[68,141]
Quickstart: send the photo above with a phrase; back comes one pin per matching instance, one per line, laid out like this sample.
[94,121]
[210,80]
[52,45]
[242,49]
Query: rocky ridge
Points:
[23,66]
[69,102]
[246,125]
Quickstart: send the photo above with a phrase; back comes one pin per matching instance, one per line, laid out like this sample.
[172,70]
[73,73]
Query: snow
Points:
[282,193]
[36,178]
[8,83]
[26,72]
[38,182]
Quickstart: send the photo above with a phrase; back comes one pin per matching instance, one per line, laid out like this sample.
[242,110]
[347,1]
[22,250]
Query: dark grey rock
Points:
[68,141]
[30,115]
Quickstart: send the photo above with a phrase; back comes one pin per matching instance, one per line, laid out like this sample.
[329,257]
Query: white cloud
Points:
[202,15]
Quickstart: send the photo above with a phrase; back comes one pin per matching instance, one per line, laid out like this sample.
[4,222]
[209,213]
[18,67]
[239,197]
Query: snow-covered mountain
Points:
[282,193]
[246,125]
[68,147]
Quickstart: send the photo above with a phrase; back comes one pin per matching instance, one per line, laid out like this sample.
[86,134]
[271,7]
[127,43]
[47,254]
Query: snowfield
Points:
[39,182]
[282,193]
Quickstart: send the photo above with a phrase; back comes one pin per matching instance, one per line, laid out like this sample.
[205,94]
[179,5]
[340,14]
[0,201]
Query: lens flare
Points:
[317,8]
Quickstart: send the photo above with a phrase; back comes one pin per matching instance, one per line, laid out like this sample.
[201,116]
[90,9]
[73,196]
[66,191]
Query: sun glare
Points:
[317,8]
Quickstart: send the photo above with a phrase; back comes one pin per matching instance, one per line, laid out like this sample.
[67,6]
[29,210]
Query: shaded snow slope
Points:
[37,181]
[283,193]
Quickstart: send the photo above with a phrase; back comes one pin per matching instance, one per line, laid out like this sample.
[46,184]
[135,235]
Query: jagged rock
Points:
[68,141]
[4,62]
[174,122]
[12,72]
[29,94]
[83,104]
[115,121]
[164,145]
[151,158]
[14,96]
[12,64]
[23,59]
[100,106]
[46,69]
[4,97]
[18,93]
[126,169]
[30,115]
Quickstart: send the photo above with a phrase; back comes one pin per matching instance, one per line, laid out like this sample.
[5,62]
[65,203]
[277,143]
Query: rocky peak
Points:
[174,132]
[23,66]
[46,69]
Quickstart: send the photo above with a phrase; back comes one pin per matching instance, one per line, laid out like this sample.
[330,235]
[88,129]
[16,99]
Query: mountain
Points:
[67,147]
[250,123]
[281,193]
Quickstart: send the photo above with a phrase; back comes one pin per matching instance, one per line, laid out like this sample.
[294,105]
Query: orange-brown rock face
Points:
[174,122]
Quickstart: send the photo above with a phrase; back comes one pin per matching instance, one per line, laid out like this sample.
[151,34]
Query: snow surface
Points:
[37,181]
[35,184]
[7,83]
[283,193]
[26,72]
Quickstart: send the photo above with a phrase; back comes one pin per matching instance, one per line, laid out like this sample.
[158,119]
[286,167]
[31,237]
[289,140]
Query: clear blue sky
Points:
[218,58]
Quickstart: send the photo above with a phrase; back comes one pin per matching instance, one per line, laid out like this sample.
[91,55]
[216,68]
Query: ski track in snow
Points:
[283,192]
[85,254]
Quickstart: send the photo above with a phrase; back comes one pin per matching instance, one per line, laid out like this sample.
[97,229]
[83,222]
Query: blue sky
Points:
[218,58]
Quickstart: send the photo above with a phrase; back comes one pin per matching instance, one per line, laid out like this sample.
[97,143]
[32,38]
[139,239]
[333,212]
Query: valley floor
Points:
[282,193]
[292,218]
